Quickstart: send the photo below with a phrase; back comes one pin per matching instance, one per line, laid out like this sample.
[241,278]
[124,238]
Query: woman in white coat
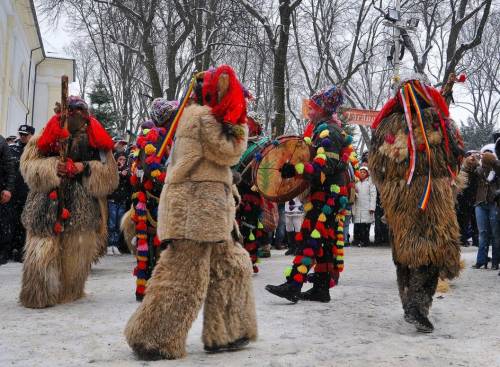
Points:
[364,208]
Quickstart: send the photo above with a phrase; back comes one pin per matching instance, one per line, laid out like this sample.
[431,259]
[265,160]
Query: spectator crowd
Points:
[477,205]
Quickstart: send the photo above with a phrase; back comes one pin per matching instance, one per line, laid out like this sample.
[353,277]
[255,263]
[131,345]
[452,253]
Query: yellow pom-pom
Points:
[324,134]
[320,150]
[299,167]
[150,149]
[260,225]
[145,131]
[308,140]
[308,206]
[155,173]
[315,234]
[322,217]
[302,269]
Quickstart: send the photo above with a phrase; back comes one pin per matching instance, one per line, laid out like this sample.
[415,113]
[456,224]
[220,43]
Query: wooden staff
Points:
[447,91]
[63,119]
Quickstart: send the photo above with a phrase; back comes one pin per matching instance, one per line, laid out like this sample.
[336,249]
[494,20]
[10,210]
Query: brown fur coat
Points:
[86,200]
[419,237]
[197,200]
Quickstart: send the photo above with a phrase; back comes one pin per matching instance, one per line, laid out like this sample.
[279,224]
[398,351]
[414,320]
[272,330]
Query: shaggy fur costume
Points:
[203,265]
[425,233]
[420,238]
[56,266]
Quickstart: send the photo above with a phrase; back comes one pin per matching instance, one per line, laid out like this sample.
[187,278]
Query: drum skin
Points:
[267,170]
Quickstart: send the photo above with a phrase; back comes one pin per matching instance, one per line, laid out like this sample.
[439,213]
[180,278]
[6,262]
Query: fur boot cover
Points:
[189,275]
[57,264]
[127,226]
[422,235]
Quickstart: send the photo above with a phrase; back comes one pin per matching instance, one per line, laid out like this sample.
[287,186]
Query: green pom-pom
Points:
[299,167]
[251,237]
[315,234]
[335,188]
[288,271]
[348,139]
[327,209]
[343,201]
[260,225]
[307,261]
[308,140]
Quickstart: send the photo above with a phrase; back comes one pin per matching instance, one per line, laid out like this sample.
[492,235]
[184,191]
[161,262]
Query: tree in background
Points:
[102,107]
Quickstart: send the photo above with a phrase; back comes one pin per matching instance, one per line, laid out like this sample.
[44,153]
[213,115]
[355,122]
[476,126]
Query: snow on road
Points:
[362,326]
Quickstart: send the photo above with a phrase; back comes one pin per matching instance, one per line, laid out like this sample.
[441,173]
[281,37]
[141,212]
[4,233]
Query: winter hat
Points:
[328,99]
[254,124]
[488,148]
[77,103]
[162,110]
[364,168]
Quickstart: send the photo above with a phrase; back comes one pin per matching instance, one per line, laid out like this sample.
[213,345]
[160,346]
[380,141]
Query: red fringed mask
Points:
[232,106]
[52,134]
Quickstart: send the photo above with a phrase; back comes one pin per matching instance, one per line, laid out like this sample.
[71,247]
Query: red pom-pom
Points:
[134,180]
[306,224]
[161,177]
[343,191]
[148,185]
[299,278]
[308,252]
[141,142]
[308,168]
[330,202]
[140,289]
[152,136]
[150,160]
[142,242]
[141,226]
[298,236]
[389,138]
[58,228]
[141,265]
[53,195]
[321,252]
[156,241]
[298,259]
[141,197]
[320,161]
[461,78]
[65,214]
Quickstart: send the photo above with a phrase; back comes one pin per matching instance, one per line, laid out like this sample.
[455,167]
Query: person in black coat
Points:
[7,182]
[117,204]
[20,193]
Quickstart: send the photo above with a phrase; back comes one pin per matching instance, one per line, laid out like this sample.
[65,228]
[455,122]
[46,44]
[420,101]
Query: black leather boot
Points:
[320,292]
[285,290]
[292,247]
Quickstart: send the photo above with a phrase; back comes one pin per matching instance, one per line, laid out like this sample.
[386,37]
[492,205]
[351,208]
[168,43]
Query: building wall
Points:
[18,37]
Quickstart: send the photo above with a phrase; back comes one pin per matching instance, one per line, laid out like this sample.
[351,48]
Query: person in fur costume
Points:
[148,175]
[320,242]
[415,157]
[203,264]
[65,215]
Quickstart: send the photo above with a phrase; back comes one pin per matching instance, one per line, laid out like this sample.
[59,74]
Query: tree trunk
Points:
[280,56]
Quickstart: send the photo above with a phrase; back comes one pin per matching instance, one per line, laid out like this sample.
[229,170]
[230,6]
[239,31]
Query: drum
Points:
[267,175]
[255,145]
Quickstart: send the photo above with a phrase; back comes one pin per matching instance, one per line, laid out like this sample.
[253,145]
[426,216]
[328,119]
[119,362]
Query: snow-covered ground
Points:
[362,326]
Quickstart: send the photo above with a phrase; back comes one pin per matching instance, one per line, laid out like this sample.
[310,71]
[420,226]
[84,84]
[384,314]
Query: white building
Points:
[30,81]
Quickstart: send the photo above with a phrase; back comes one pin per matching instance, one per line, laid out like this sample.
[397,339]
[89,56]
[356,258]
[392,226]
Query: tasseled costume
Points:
[321,239]
[148,175]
